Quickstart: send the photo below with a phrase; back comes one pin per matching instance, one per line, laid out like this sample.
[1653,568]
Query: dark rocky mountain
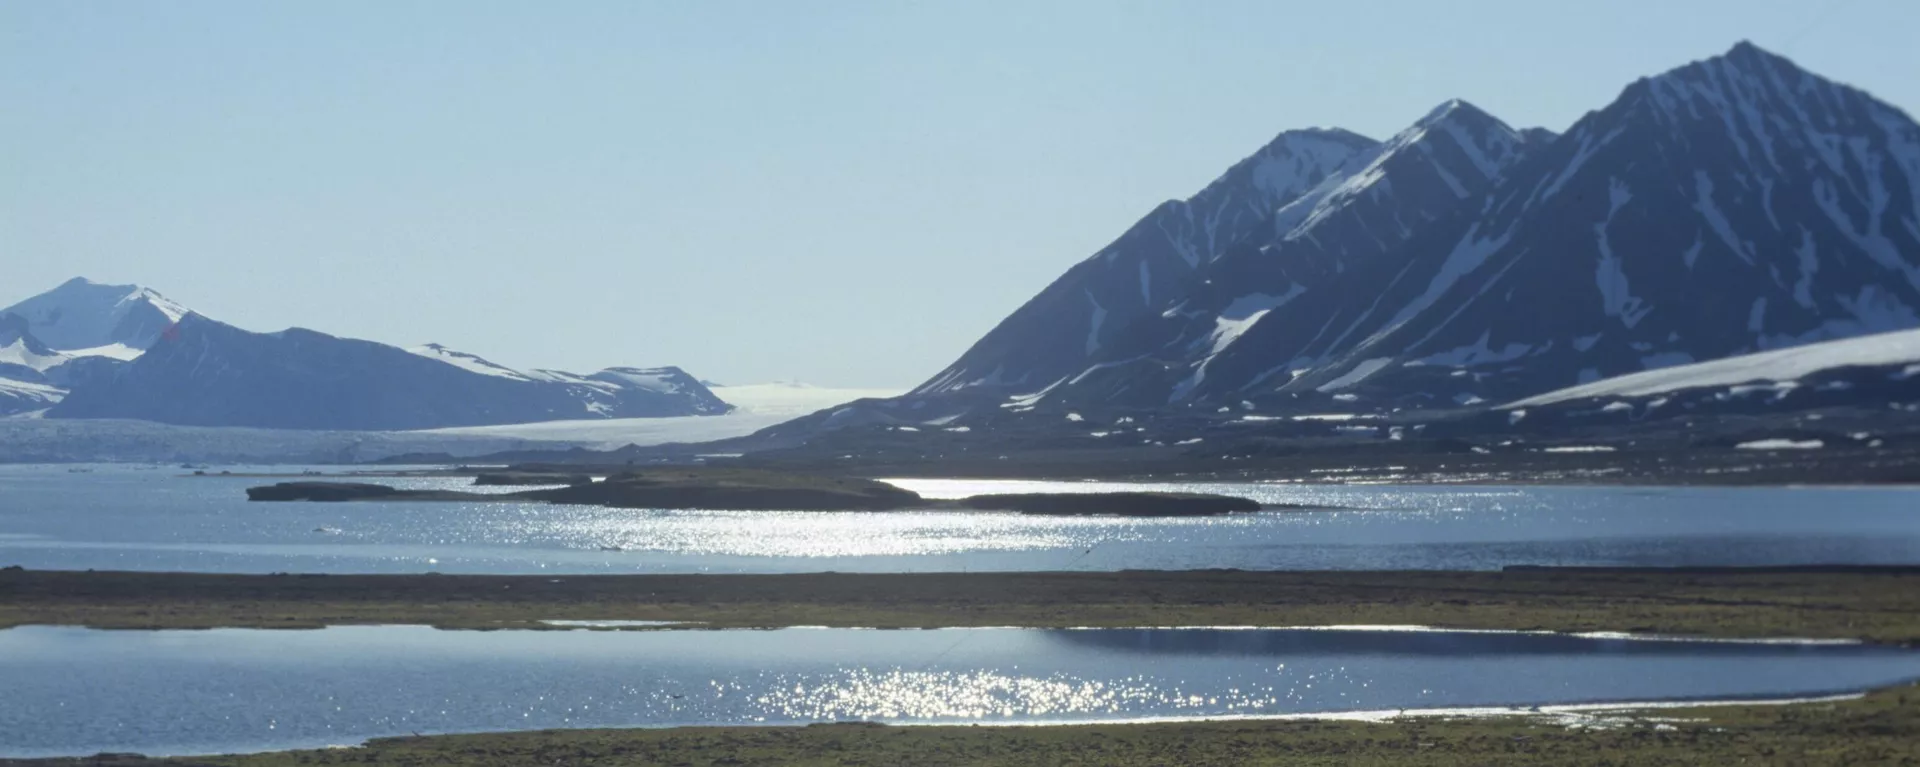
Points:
[1732,205]
[1309,252]
[205,373]
[1067,327]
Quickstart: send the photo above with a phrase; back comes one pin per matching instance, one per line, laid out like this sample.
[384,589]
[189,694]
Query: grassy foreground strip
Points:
[1877,604]
[1883,728]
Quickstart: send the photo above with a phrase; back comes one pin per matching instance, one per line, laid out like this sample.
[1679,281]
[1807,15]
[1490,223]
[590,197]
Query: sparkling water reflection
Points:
[74,691]
[122,518]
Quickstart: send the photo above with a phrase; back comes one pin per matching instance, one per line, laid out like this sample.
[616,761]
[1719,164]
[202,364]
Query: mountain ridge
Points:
[125,363]
[1729,205]
[207,373]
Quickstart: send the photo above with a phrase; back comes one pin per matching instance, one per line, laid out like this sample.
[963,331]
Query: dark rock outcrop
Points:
[515,478]
[1116,504]
[321,491]
[733,490]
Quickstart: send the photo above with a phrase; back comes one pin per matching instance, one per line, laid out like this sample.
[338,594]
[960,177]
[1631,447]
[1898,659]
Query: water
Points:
[125,518]
[78,691]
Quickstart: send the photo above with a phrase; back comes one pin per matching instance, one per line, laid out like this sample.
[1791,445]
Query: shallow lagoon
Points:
[78,691]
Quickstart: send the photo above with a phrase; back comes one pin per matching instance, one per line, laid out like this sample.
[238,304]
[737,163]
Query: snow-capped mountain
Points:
[88,350]
[1146,271]
[205,373]
[1732,205]
[662,382]
[1278,291]
[82,314]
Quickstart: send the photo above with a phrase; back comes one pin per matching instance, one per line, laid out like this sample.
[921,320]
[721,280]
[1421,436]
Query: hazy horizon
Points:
[847,195]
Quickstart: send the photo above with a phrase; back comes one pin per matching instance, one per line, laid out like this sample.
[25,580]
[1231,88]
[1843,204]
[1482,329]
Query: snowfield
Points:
[1781,365]
[27,437]
[758,406]
[17,353]
[30,392]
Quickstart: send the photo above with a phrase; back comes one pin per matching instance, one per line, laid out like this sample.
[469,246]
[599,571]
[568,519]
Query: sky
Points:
[841,193]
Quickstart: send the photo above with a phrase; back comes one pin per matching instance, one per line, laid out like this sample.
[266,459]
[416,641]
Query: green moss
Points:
[1874,604]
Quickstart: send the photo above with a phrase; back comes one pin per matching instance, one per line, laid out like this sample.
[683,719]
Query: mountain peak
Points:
[83,314]
[1455,109]
[1744,67]
[1746,51]
[1291,163]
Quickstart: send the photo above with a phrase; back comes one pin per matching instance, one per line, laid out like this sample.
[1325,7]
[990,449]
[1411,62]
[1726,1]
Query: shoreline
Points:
[1880,726]
[1873,604]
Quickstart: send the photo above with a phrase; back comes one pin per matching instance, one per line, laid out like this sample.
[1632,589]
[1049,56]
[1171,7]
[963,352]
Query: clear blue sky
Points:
[847,193]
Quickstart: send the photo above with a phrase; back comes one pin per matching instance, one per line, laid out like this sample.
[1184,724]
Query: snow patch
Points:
[1098,319]
[1467,255]
[1477,354]
[1883,349]
[1616,298]
[1703,203]
[471,363]
[1356,374]
[17,353]
[121,352]
[1782,444]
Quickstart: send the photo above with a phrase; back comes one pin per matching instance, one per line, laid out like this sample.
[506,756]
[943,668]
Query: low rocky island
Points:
[346,491]
[754,490]
[513,478]
[1130,504]
[732,490]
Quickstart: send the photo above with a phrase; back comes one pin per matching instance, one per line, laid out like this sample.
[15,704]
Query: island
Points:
[732,489]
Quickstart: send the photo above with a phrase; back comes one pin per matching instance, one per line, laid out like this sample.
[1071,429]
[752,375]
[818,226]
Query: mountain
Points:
[1065,328]
[81,314]
[664,382]
[1732,205]
[1303,261]
[206,373]
[88,350]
